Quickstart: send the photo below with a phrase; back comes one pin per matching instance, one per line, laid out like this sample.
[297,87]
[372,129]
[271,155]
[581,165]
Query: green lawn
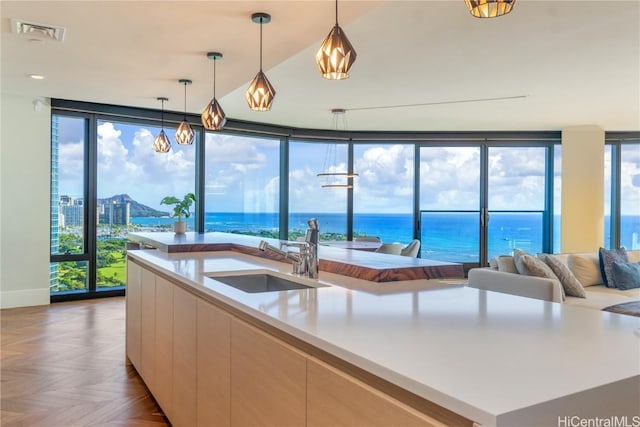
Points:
[118,268]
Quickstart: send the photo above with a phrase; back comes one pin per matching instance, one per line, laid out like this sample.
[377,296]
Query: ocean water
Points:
[445,236]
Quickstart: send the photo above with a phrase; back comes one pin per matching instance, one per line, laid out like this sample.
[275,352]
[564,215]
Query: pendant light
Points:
[213,117]
[161,144]
[260,93]
[336,54]
[329,176]
[184,134]
[489,8]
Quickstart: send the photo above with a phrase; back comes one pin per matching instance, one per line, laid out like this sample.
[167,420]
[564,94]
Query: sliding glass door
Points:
[516,199]
[482,201]
[450,203]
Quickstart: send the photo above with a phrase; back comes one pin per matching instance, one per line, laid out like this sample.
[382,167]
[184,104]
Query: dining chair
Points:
[366,239]
[411,249]
[389,248]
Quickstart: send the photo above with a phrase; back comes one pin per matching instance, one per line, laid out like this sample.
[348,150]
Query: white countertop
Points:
[477,353]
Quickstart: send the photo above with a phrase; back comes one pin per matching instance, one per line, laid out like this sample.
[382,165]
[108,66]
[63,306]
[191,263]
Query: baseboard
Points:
[24,298]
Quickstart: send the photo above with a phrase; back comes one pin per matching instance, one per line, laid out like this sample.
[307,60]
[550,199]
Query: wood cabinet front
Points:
[184,359]
[214,366]
[134,279]
[148,328]
[337,399]
[268,384]
[164,346]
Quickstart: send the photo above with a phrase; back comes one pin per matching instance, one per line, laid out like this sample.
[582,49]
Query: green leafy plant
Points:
[180,207]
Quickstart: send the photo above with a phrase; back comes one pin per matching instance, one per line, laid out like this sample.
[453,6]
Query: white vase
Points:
[180,227]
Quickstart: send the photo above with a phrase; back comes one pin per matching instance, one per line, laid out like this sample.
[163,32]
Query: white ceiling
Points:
[561,63]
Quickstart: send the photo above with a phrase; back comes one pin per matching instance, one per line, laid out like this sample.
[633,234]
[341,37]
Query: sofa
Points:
[502,276]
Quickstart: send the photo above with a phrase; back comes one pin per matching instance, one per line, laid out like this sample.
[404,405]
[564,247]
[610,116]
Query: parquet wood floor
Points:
[64,365]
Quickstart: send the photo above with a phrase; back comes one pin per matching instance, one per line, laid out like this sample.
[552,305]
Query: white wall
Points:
[25,144]
[582,188]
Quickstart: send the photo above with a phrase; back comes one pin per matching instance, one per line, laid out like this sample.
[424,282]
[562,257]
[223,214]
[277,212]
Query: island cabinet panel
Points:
[148,328]
[213,366]
[268,385]
[337,399]
[163,391]
[183,409]
[134,278]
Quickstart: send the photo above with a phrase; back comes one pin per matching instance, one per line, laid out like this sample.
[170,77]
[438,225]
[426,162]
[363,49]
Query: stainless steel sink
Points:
[263,282]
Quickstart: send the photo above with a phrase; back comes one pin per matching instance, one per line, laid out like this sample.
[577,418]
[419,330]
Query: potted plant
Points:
[180,209]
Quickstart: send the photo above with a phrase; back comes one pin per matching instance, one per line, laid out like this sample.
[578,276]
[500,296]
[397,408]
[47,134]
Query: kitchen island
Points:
[349,351]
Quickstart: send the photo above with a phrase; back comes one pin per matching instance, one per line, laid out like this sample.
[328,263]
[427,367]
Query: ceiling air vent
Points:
[37,31]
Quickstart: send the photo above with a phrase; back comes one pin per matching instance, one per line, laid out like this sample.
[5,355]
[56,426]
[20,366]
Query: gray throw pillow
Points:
[626,275]
[570,284]
[607,258]
[529,265]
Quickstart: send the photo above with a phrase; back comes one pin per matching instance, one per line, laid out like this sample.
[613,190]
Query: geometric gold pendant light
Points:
[213,117]
[260,93]
[184,133]
[336,54]
[161,144]
[489,8]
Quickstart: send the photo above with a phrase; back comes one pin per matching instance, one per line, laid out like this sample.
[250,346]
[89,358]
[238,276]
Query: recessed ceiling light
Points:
[36,76]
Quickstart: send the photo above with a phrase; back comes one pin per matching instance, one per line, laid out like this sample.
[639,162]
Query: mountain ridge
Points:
[136,209]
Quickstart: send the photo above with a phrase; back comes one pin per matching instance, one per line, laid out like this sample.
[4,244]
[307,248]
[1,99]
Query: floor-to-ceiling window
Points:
[516,199]
[307,196]
[476,197]
[557,199]
[106,181]
[383,192]
[450,203]
[131,180]
[481,201]
[69,268]
[242,184]
[630,196]
[622,194]
[608,199]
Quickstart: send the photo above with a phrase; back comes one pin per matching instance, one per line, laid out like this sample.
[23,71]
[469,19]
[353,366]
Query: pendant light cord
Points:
[214,78]
[185,101]
[162,115]
[336,12]
[260,43]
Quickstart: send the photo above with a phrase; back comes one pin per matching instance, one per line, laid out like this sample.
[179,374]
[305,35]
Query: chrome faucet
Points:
[298,259]
[305,262]
[311,239]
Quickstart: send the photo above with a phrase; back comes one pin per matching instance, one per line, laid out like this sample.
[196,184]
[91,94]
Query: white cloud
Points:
[139,171]
[385,183]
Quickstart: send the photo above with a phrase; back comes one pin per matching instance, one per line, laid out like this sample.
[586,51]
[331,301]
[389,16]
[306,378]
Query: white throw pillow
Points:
[586,268]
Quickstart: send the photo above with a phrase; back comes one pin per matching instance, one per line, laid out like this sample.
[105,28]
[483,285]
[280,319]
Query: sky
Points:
[242,173]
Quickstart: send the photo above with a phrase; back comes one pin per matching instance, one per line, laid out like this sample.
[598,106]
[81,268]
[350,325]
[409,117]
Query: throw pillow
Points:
[517,260]
[506,264]
[529,265]
[493,263]
[626,275]
[607,258]
[586,268]
[570,284]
